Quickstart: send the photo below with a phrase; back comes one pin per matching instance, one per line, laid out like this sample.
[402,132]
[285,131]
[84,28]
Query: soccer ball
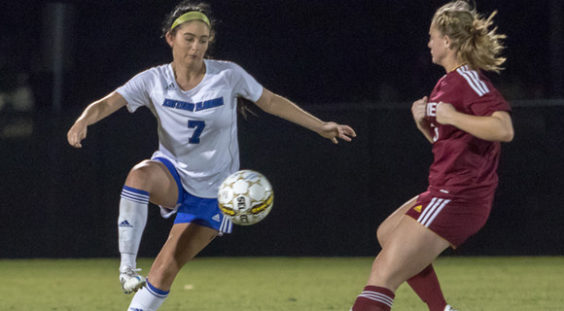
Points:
[246,197]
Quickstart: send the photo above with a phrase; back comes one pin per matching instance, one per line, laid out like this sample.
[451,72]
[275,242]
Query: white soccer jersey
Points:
[197,128]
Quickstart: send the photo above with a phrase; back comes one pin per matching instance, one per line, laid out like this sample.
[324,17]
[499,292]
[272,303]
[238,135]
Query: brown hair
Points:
[246,107]
[476,44]
[184,7]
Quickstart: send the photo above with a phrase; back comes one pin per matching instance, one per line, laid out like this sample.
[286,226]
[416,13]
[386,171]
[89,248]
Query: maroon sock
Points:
[426,286]
[374,298]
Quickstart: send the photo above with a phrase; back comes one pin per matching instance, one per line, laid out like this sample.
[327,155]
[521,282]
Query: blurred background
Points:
[356,62]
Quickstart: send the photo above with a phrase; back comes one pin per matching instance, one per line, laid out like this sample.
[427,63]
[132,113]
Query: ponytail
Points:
[477,45]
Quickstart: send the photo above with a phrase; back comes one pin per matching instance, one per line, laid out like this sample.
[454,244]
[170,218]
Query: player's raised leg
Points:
[403,256]
[147,181]
[185,241]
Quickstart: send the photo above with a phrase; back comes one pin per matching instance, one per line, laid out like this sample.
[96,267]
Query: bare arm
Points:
[497,127]
[418,111]
[284,108]
[95,112]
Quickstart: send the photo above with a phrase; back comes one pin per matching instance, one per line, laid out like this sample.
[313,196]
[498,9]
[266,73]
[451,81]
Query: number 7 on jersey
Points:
[199,127]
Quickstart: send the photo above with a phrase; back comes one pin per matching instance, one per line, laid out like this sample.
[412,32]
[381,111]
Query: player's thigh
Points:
[391,222]
[184,242]
[153,177]
[409,250]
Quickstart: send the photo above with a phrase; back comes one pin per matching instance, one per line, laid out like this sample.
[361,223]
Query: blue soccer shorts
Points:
[193,209]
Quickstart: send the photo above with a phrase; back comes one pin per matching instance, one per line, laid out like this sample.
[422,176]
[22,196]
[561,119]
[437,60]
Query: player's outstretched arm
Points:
[496,127]
[95,112]
[284,108]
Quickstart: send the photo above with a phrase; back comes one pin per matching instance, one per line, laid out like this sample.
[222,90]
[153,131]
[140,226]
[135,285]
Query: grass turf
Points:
[276,284]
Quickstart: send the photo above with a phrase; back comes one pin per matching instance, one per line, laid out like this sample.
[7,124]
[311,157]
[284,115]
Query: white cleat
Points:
[130,280]
[449,308]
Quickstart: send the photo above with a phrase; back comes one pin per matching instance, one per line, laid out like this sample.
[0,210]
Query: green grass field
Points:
[276,284]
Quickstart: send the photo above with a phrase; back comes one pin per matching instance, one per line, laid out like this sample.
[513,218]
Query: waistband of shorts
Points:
[474,194]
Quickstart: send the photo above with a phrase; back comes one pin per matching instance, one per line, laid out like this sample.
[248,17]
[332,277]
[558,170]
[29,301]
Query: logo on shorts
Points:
[418,208]
[216,217]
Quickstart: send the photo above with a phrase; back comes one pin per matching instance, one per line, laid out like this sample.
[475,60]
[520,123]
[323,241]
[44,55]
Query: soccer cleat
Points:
[130,280]
[449,308]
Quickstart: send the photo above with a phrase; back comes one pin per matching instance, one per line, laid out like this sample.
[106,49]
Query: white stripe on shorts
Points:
[426,211]
[432,210]
[226,225]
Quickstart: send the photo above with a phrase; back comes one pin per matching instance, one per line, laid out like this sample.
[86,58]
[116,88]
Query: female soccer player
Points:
[465,118]
[195,102]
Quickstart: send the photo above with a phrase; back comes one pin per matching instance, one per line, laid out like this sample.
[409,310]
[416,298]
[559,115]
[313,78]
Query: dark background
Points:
[356,62]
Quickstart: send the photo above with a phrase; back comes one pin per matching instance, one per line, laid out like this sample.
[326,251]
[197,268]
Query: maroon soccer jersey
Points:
[463,164]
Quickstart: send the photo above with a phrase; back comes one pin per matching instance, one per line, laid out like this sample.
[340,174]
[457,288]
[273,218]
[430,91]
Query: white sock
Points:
[148,298]
[132,219]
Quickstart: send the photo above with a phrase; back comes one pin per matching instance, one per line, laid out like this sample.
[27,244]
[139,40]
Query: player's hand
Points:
[445,112]
[418,110]
[332,131]
[76,134]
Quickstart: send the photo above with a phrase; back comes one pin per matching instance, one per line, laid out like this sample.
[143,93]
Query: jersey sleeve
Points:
[135,91]
[487,105]
[471,94]
[245,85]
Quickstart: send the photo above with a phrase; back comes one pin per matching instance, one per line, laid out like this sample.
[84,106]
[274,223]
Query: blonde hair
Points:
[476,44]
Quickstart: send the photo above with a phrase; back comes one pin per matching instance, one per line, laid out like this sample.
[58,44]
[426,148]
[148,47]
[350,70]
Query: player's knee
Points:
[381,235]
[140,174]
